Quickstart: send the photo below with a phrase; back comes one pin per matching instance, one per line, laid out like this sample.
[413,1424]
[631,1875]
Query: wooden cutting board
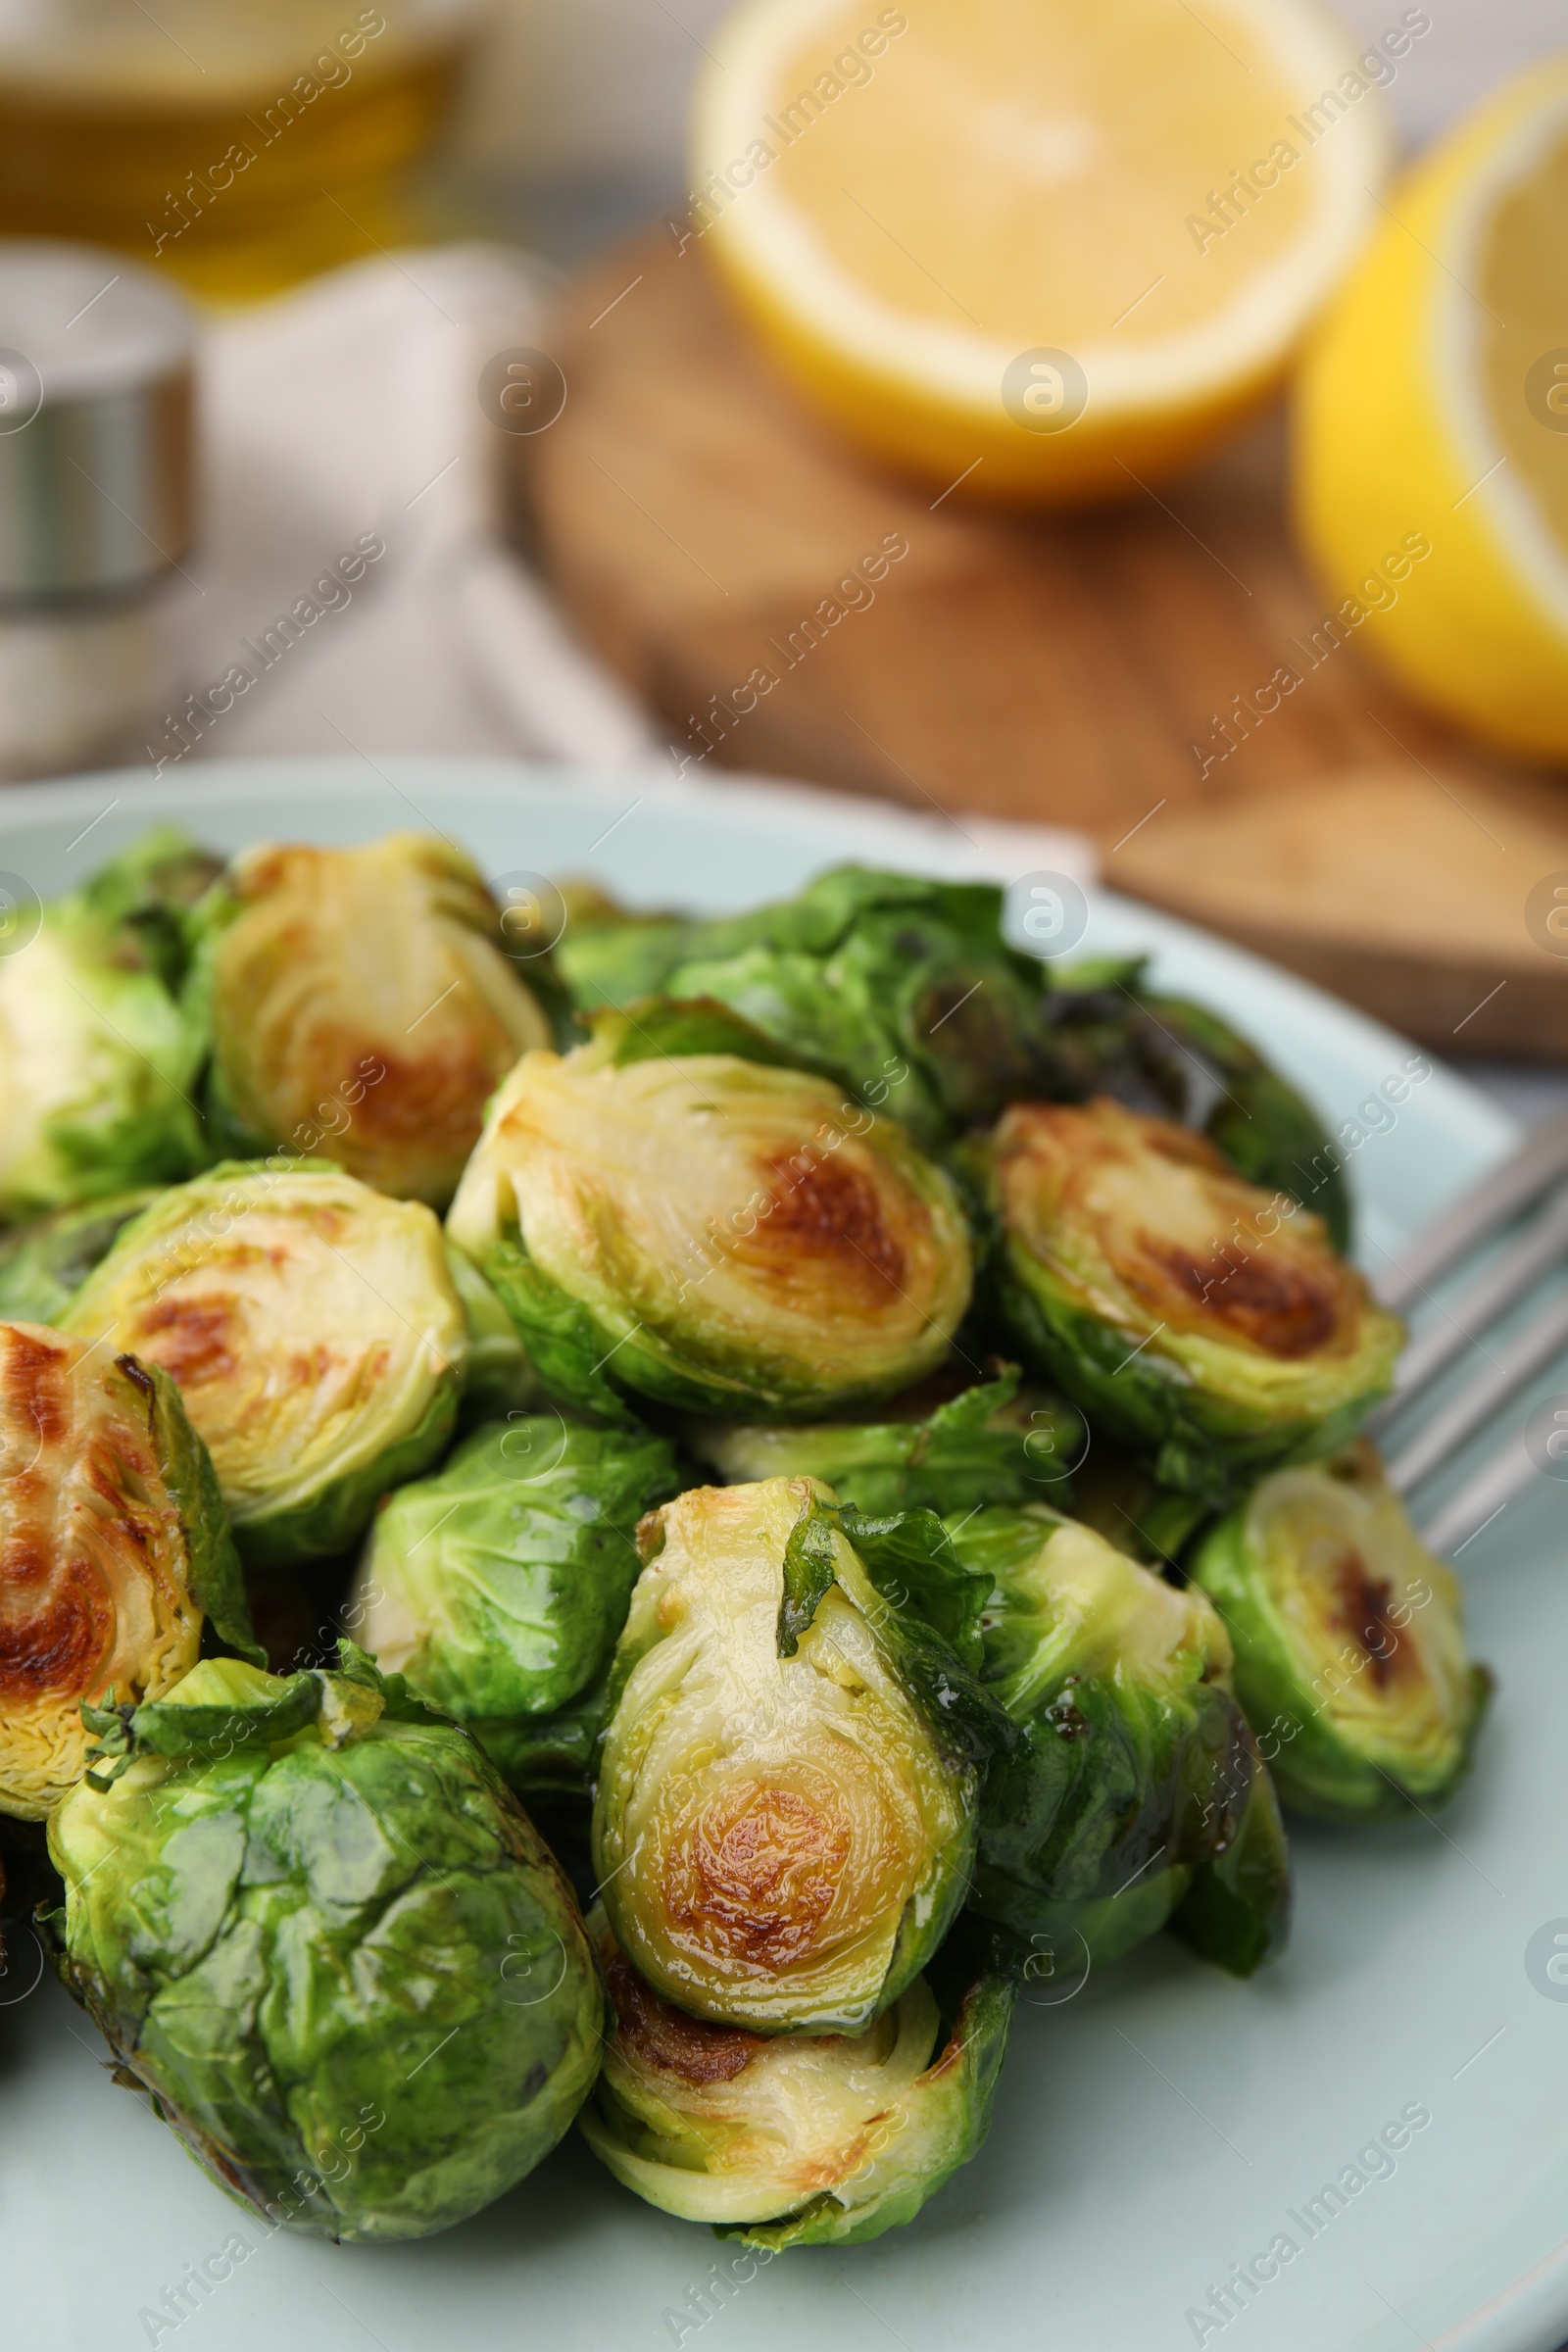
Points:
[711,537]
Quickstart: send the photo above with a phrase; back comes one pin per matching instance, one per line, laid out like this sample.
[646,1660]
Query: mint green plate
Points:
[1152,2133]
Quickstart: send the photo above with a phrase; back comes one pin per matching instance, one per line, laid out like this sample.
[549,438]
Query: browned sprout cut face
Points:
[1204,1322]
[95,1566]
[1349,1641]
[313,1328]
[703,1228]
[784,1823]
[363,1006]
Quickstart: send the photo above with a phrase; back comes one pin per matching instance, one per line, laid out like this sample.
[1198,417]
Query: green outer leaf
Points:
[825,1024]
[160,1728]
[614,963]
[1196,1441]
[307,1959]
[977,1448]
[1066,1943]
[149,889]
[1126,1503]
[656,1027]
[217,1581]
[43,1265]
[975,1738]
[338,1513]
[809,1572]
[560,1335]
[1237,1911]
[1319,1771]
[948,2115]
[911,1559]
[550,1755]
[498,1379]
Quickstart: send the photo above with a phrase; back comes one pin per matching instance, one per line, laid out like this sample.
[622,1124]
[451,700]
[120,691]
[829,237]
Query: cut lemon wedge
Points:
[1434,406]
[1048,247]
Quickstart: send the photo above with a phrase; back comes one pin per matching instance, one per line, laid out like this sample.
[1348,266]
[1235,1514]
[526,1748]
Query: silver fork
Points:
[1531,1180]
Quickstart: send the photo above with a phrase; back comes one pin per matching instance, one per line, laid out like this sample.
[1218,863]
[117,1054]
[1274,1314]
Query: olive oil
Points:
[240,146]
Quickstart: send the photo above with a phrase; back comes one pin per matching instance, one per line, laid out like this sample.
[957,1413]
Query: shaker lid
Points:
[95,421]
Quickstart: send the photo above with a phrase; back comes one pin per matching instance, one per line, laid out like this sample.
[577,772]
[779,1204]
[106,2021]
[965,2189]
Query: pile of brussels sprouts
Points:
[869,1460]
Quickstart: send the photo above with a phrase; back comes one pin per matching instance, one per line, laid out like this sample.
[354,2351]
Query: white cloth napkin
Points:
[345,420]
[344,417]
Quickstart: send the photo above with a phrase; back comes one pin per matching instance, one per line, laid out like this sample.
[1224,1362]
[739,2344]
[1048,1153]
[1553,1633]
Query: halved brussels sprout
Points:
[1136,1791]
[667,1210]
[98,1064]
[499,1588]
[985,1443]
[1349,1641]
[362,1005]
[115,1545]
[317,1930]
[1205,1325]
[313,1329]
[819,2139]
[785,1818]
[44,1264]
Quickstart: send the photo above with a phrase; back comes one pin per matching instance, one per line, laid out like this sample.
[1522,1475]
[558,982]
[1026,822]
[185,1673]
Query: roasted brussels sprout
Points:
[313,1329]
[44,1264]
[794,2140]
[361,1004]
[785,1816]
[114,1547]
[1135,1789]
[98,1064]
[667,1210]
[985,1443]
[317,1930]
[1205,1325]
[499,1588]
[1350,1642]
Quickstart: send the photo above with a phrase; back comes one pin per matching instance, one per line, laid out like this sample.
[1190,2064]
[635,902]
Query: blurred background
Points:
[401,379]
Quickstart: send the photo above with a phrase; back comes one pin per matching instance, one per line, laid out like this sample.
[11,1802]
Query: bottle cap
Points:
[96,413]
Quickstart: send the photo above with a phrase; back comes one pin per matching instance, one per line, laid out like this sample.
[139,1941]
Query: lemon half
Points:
[1435,405]
[1050,246]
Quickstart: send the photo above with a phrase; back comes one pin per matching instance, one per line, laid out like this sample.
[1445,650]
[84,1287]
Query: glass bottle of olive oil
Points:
[240,144]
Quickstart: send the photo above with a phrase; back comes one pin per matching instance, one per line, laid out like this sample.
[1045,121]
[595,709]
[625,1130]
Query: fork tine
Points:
[1536,1251]
[1436,1442]
[1481,1499]
[1477,1213]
